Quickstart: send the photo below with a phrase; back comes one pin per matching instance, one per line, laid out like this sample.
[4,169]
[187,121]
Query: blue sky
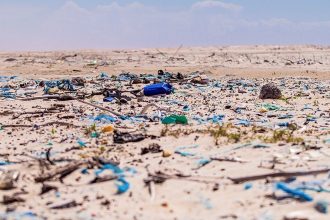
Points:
[108,24]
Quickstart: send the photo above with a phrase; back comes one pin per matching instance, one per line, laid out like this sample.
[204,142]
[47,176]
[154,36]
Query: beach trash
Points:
[296,193]
[108,99]
[322,206]
[270,91]
[158,89]
[175,119]
[125,137]
[108,129]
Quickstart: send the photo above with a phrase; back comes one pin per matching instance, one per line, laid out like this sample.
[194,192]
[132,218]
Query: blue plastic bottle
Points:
[158,89]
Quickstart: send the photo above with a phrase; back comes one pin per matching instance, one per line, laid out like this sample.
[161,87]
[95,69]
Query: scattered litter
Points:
[158,89]
[296,193]
[322,206]
[105,118]
[175,119]
[248,186]
[88,135]
[125,137]
[108,129]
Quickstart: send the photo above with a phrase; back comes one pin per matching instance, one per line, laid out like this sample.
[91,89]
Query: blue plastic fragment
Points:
[81,143]
[4,163]
[19,215]
[115,169]
[105,118]
[104,75]
[297,193]
[5,92]
[287,116]
[122,185]
[243,122]
[248,186]
[311,119]
[29,214]
[126,77]
[6,78]
[108,99]
[283,124]
[184,154]
[307,107]
[61,84]
[95,134]
[5,89]
[58,194]
[216,119]
[204,161]
[217,85]
[238,110]
[178,150]
[84,171]
[186,108]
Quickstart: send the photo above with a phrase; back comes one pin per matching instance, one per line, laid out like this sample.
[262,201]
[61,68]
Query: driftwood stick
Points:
[66,98]
[228,159]
[17,115]
[42,125]
[199,179]
[99,107]
[152,191]
[66,205]
[221,159]
[48,156]
[278,174]
[58,97]
[59,171]
[7,113]
[102,179]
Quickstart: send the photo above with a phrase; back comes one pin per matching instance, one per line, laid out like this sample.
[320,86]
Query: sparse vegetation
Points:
[283,135]
[231,133]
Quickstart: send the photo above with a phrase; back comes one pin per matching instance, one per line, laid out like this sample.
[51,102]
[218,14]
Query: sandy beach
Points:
[66,153]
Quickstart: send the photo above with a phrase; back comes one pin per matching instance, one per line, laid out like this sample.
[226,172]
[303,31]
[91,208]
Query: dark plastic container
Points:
[158,89]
